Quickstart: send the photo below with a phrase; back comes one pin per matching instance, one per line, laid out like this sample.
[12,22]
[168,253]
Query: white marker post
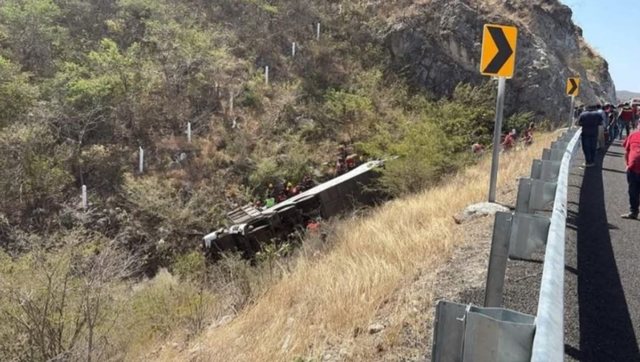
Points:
[318,31]
[293,49]
[231,96]
[189,132]
[141,160]
[84,197]
[266,75]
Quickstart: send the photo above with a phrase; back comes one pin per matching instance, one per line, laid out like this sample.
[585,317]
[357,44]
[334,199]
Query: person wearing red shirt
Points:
[632,157]
[626,119]
[509,141]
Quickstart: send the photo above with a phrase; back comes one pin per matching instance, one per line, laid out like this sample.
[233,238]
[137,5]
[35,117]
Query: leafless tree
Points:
[54,308]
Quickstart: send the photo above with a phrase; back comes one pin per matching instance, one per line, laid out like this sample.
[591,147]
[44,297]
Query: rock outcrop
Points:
[438,45]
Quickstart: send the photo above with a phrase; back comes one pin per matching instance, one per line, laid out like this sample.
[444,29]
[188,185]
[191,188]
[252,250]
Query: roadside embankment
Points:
[371,296]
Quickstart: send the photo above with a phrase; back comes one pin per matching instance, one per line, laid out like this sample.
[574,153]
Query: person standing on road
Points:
[589,121]
[626,119]
[603,124]
[632,157]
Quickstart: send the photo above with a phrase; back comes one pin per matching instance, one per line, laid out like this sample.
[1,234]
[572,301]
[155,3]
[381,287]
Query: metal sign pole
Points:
[571,114]
[497,133]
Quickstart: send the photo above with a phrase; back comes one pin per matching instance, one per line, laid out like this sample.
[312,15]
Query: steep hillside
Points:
[88,86]
[624,96]
[370,295]
[436,44]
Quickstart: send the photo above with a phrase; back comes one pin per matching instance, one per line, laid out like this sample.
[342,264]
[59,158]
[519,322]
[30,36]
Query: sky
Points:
[612,28]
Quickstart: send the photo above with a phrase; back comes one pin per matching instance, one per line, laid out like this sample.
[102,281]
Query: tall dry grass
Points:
[322,302]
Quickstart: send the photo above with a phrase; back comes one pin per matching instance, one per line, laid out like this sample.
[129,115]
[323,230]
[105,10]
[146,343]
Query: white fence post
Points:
[318,31]
[266,75]
[84,197]
[141,160]
[293,49]
[189,132]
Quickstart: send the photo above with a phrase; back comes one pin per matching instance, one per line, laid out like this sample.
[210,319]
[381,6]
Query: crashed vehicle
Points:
[251,227]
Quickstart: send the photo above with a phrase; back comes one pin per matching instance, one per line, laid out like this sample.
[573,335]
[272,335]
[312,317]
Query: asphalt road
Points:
[602,278]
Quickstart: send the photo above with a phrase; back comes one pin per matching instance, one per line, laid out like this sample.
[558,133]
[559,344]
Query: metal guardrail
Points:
[470,333]
[548,343]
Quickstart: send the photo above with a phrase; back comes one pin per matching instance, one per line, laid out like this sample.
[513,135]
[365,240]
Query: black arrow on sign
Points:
[504,50]
[574,86]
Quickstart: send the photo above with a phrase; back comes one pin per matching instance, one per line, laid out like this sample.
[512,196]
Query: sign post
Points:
[499,60]
[573,90]
[497,135]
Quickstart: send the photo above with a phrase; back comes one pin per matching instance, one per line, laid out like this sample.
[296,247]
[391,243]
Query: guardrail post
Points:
[470,333]
[498,259]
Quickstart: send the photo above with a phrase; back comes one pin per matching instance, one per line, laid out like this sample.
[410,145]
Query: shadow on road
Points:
[606,330]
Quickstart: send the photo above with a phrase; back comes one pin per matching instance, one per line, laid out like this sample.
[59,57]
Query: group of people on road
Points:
[601,126]
[617,120]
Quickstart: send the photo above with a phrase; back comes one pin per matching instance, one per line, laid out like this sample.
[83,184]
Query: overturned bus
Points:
[251,227]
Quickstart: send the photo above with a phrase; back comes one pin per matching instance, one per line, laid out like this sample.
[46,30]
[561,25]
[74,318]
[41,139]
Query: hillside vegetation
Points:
[322,308]
[86,84]
[93,81]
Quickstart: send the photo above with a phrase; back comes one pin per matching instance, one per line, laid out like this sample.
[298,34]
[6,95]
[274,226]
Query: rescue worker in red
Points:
[632,157]
[351,162]
[313,226]
[509,141]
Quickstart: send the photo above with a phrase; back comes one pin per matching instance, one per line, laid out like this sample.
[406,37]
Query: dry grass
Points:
[324,302]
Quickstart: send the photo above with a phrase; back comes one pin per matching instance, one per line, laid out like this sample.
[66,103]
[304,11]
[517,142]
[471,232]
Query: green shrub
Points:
[424,155]
[32,170]
[592,63]
[164,305]
[190,266]
[16,94]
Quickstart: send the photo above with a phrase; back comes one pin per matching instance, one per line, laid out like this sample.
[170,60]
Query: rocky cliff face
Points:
[437,44]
